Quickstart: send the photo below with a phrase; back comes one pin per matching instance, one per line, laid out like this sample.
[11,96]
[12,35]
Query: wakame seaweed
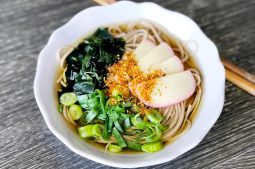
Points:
[87,63]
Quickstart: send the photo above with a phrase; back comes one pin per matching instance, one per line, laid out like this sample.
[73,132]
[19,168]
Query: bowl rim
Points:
[50,124]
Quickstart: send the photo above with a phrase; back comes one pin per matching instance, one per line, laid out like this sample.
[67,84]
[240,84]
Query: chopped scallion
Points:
[93,102]
[127,123]
[117,125]
[114,148]
[120,140]
[106,135]
[152,147]
[154,116]
[101,116]
[75,111]
[97,130]
[134,146]
[90,116]
[60,108]
[68,99]
[82,99]
[86,131]
[102,99]
[138,122]
[110,124]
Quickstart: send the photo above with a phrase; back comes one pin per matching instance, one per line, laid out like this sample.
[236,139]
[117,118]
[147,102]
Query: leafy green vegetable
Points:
[90,116]
[82,99]
[86,65]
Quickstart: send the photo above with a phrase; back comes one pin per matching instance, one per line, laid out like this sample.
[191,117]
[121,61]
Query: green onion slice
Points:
[134,146]
[114,148]
[86,131]
[68,99]
[75,111]
[117,125]
[90,116]
[120,140]
[97,130]
[138,122]
[152,147]
[154,116]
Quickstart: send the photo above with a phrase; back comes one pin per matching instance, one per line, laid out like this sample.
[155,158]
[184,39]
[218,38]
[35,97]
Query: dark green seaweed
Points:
[87,64]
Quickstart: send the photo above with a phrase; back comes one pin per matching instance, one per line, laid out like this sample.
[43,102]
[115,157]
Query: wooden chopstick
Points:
[240,82]
[105,2]
[238,70]
[234,74]
[239,77]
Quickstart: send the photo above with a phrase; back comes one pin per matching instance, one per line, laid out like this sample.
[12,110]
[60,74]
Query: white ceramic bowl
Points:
[181,26]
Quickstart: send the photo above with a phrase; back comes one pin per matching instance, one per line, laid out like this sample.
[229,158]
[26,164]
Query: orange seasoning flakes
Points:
[125,75]
[141,78]
[145,89]
[119,74]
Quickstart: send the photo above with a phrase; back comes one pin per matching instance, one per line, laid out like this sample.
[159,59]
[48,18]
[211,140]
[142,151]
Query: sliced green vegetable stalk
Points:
[106,134]
[101,116]
[86,131]
[90,116]
[113,115]
[83,99]
[117,125]
[152,147]
[138,122]
[91,130]
[155,133]
[75,111]
[97,130]
[120,140]
[127,104]
[127,123]
[93,102]
[116,92]
[60,108]
[102,99]
[154,116]
[114,148]
[133,145]
[110,124]
[68,99]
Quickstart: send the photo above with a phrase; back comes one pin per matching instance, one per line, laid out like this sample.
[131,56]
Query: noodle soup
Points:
[129,87]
